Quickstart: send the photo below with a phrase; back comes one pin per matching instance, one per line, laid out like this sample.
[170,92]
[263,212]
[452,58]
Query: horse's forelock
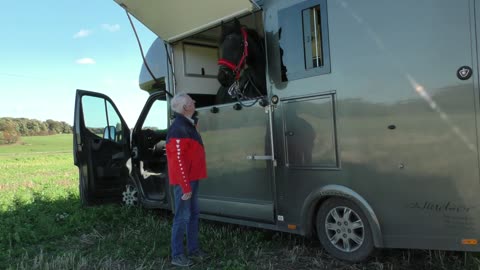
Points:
[228,29]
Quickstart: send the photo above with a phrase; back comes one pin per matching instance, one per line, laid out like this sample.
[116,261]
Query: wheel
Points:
[344,230]
[130,195]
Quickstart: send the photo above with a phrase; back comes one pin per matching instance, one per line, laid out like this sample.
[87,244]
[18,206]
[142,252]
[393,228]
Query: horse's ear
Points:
[236,24]
[222,28]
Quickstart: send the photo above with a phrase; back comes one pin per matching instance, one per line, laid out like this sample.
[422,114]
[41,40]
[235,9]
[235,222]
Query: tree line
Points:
[11,129]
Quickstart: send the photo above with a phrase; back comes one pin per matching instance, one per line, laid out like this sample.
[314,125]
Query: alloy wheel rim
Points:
[345,229]
[130,195]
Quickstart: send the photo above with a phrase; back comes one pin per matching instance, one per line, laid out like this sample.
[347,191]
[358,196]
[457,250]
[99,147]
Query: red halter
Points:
[237,68]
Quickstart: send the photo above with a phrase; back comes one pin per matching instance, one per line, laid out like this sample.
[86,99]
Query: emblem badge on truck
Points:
[464,73]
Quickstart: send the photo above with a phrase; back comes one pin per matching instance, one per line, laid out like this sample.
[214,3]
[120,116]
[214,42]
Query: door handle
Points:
[96,143]
[255,157]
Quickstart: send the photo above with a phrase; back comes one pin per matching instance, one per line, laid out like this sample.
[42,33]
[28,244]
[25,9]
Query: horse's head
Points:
[241,53]
[233,52]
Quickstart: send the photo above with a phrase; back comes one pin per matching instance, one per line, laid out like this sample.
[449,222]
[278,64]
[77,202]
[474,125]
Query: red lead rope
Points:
[237,68]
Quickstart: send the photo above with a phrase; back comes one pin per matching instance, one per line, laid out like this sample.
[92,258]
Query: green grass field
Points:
[38,145]
[43,226]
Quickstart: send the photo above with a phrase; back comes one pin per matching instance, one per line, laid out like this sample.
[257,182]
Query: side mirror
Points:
[109,133]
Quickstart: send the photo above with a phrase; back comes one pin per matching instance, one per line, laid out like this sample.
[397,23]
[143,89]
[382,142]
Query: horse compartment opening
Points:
[196,63]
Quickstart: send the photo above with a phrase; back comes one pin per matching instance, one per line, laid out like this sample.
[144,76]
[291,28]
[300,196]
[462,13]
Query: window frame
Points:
[292,22]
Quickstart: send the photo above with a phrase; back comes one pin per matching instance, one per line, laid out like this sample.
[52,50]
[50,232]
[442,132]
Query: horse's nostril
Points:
[224,78]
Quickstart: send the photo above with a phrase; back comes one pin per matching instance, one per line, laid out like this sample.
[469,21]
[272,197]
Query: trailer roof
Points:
[174,20]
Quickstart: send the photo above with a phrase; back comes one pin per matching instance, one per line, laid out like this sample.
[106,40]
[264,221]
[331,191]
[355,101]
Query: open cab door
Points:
[101,148]
[149,159]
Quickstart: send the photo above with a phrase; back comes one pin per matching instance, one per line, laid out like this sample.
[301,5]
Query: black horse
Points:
[242,64]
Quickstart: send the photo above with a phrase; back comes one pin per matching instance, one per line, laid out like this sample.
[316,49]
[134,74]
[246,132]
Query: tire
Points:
[348,235]
[83,190]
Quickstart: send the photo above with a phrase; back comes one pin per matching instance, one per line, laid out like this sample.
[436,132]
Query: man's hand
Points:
[186,196]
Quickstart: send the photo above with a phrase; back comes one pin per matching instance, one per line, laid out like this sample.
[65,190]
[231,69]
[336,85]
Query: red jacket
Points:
[185,154]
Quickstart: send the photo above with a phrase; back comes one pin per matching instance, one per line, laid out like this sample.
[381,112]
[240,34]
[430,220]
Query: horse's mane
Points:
[256,37]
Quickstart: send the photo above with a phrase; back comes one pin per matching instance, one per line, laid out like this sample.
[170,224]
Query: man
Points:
[186,165]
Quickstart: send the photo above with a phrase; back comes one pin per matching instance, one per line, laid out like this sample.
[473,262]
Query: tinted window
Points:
[114,121]
[157,116]
[306,23]
[310,132]
[101,118]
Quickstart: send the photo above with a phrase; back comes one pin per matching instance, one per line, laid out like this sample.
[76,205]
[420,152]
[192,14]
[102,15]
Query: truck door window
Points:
[101,119]
[157,116]
[114,121]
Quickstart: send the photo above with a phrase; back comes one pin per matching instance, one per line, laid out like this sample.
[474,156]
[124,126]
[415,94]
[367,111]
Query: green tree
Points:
[13,128]
[9,131]
[22,126]
[66,128]
[54,127]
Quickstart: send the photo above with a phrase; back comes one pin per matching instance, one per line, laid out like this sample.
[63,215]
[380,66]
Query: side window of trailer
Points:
[305,23]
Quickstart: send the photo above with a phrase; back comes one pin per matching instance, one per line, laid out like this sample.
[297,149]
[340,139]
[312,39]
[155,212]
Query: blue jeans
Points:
[186,218]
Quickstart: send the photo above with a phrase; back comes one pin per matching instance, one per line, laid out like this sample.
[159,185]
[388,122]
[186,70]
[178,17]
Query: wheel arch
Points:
[319,196]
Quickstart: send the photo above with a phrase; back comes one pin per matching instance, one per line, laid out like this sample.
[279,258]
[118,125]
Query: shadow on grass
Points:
[61,227]
[235,246]
[60,234]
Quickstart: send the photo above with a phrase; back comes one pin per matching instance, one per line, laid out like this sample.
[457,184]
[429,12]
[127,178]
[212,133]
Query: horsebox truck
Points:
[367,136]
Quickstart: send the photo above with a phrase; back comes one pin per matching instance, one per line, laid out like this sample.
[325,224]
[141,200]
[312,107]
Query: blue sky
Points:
[51,48]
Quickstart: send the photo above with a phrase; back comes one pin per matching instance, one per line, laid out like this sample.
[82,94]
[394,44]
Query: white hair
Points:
[178,101]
